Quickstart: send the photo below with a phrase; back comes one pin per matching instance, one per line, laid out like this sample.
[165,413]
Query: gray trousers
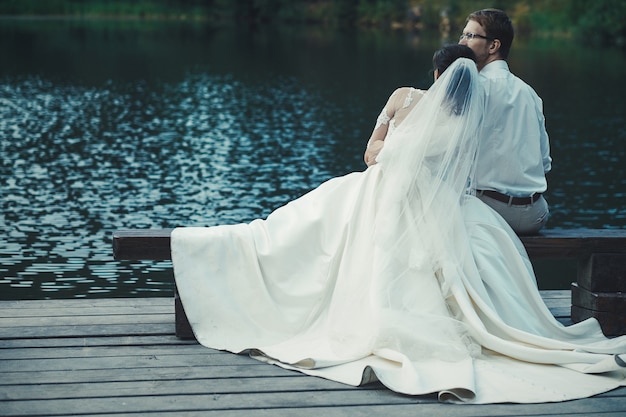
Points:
[525,219]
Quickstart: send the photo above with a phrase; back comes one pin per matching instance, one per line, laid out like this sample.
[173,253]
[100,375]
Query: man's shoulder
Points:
[498,73]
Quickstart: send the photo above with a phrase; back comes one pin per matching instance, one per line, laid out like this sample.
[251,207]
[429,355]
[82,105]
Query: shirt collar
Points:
[499,64]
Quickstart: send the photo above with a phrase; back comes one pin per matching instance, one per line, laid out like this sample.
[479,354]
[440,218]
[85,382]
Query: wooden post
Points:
[600,291]
[183,328]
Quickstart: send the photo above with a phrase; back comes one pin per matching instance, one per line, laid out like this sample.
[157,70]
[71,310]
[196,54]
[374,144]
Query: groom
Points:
[514,151]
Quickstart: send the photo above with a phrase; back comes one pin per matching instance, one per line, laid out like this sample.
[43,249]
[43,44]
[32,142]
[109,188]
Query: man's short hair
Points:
[497,25]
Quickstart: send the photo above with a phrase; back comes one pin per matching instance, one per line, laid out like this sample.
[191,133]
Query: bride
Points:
[398,274]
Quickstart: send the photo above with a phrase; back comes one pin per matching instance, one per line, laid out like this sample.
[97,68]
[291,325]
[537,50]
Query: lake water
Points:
[128,124]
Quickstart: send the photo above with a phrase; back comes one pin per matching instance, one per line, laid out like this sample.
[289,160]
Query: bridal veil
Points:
[397,273]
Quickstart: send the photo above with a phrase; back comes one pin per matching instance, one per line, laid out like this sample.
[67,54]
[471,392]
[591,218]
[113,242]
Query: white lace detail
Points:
[383,118]
[409,98]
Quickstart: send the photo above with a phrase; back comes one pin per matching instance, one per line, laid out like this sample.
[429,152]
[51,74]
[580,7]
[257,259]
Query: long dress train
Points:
[398,274]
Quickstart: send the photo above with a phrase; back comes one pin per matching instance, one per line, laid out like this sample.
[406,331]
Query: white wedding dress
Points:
[398,274]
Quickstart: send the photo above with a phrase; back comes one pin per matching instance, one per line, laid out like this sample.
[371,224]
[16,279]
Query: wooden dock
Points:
[120,357]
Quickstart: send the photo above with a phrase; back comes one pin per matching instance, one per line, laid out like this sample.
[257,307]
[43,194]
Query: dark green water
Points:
[129,124]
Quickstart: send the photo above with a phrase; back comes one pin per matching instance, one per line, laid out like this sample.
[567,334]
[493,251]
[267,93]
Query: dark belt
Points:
[515,201]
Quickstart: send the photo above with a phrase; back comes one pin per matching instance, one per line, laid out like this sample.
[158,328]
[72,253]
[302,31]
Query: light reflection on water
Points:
[79,163]
[233,138]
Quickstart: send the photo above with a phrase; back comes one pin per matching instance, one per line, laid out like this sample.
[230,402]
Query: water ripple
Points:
[78,163]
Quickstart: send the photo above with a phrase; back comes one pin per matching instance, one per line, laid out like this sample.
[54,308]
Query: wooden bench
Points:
[599,290]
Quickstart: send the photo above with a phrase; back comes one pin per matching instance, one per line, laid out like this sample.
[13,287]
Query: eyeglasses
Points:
[470,36]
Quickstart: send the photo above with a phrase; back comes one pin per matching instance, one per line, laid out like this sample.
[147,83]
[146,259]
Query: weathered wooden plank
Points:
[160,375]
[88,330]
[96,320]
[10,313]
[399,410]
[146,404]
[103,351]
[346,401]
[62,342]
[287,384]
[157,373]
[75,306]
[138,244]
[77,326]
[555,295]
[121,362]
[170,387]
[574,243]
[87,303]
[558,303]
[217,387]
[154,244]
[561,312]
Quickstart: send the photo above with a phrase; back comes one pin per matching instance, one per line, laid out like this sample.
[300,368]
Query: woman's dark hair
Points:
[444,57]
[458,87]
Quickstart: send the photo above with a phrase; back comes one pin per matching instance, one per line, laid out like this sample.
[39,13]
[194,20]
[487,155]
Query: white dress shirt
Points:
[514,150]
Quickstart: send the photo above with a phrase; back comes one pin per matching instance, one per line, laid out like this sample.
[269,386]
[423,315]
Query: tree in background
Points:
[596,21]
[599,21]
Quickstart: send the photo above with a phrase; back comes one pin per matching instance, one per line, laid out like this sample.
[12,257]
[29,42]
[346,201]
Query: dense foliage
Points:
[598,21]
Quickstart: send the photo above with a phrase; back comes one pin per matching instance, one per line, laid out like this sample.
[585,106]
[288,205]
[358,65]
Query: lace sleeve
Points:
[391,107]
[383,118]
